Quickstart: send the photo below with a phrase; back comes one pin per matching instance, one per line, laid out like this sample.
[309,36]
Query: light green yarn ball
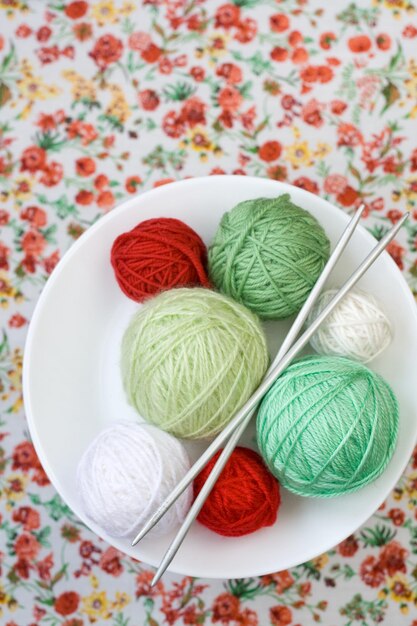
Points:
[267,254]
[190,360]
[328,426]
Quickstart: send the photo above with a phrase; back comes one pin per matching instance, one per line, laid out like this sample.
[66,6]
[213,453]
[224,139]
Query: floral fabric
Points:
[103,99]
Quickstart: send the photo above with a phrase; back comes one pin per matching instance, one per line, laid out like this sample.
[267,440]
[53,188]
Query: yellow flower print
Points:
[122,599]
[320,561]
[199,140]
[299,154]
[104,12]
[82,89]
[15,374]
[6,289]
[33,87]
[96,605]
[15,488]
[399,588]
[217,46]
[127,8]
[94,581]
[22,189]
[118,106]
[322,150]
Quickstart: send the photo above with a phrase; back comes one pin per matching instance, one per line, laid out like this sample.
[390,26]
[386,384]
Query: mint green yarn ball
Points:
[267,254]
[190,359]
[328,426]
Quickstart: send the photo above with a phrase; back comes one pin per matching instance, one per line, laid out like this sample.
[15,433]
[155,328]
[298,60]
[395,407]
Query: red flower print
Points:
[143,585]
[40,478]
[394,215]
[173,125]
[85,166]
[4,217]
[410,31]
[49,263]
[309,74]
[27,546]
[304,589]
[44,567]
[279,22]
[397,252]
[23,31]
[392,558]
[198,73]
[29,264]
[33,243]
[397,516]
[348,196]
[326,40]
[24,457]
[132,184]
[383,41]
[324,74]
[247,618]
[4,254]
[230,98]
[311,113]
[192,112]
[335,183]
[67,603]
[87,549]
[139,41]
[225,608]
[107,50]
[22,568]
[299,56]
[348,547]
[338,106]
[86,132]
[280,615]
[17,320]
[371,572]
[246,30]
[110,562]
[52,174]
[27,516]
[105,199]
[295,38]
[360,43]
[270,151]
[307,184]
[231,72]
[165,65]
[227,15]
[151,53]
[277,172]
[84,197]
[73,621]
[75,10]
[33,159]
[348,135]
[101,181]
[82,31]
[43,34]
[279,54]
[148,99]
[48,55]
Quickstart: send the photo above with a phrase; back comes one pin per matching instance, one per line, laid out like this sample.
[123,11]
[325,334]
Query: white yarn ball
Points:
[357,328]
[127,472]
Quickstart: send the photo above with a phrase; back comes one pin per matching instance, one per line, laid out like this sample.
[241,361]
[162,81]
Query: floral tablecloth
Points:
[103,99]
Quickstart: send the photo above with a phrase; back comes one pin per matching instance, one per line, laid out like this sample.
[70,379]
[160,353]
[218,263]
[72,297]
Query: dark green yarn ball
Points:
[267,254]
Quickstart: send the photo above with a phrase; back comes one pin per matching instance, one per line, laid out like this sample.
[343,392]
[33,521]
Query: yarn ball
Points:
[245,497]
[328,426]
[126,473]
[356,328]
[158,254]
[190,359]
[267,254]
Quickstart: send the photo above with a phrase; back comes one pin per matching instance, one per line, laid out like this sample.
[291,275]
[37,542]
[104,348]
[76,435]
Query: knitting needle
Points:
[270,379]
[288,341]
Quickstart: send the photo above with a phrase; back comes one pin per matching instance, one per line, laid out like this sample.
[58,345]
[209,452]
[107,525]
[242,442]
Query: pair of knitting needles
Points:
[287,352]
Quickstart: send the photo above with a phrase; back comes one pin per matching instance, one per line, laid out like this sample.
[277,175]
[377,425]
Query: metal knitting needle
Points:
[288,341]
[270,379]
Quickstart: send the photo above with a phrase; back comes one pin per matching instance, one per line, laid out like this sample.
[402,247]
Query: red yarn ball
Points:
[158,254]
[245,497]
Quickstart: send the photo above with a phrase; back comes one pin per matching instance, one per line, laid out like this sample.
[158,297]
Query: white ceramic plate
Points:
[72,383]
